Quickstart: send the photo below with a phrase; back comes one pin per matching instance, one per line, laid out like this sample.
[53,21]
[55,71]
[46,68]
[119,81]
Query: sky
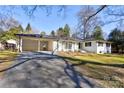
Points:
[41,22]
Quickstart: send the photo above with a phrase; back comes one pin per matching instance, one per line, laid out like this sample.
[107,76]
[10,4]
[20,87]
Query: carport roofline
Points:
[48,37]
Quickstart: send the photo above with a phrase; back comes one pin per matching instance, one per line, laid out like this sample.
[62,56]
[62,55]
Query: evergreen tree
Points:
[115,37]
[66,30]
[52,33]
[60,32]
[43,33]
[98,33]
[28,29]
[21,29]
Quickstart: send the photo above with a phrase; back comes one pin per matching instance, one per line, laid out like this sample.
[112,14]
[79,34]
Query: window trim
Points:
[108,44]
[100,44]
[88,44]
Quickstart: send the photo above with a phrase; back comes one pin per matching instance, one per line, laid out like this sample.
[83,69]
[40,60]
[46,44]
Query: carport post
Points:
[38,45]
[20,44]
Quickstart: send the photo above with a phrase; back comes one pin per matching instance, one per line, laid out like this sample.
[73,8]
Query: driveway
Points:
[40,70]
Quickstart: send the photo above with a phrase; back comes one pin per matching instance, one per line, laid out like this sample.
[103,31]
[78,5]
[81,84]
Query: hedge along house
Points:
[36,42]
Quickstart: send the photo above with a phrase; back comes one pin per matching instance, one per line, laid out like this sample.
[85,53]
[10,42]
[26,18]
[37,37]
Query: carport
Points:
[34,43]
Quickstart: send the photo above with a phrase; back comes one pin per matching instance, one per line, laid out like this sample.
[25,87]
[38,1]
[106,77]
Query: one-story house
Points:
[36,42]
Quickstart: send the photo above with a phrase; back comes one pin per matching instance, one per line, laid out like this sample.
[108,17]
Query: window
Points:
[66,45]
[100,43]
[107,44]
[70,46]
[87,44]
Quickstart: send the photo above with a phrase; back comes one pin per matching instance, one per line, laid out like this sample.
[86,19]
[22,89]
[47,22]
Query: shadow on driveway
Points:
[68,68]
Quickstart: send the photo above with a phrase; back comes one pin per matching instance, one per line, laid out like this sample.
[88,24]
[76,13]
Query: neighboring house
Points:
[12,44]
[1,46]
[36,42]
[9,44]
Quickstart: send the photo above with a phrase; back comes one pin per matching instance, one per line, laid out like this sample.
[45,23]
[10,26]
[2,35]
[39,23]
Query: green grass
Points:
[106,69]
[6,58]
[106,58]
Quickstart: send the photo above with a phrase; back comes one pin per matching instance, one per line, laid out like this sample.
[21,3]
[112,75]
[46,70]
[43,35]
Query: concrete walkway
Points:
[39,70]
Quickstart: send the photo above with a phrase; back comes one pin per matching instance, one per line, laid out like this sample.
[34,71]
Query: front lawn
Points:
[6,58]
[103,58]
[107,70]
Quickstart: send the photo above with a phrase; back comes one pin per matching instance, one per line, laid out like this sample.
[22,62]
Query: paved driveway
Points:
[39,70]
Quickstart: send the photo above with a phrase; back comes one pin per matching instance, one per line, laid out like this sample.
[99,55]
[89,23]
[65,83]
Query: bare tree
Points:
[86,24]
[7,23]
[6,14]
[30,10]
[88,19]
[115,14]
[6,18]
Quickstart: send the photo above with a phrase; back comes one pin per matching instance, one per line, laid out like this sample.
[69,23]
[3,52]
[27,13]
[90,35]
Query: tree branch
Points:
[114,21]
[99,10]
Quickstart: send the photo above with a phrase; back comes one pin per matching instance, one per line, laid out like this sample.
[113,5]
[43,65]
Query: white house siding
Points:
[108,49]
[95,48]
[92,48]
[60,46]
[20,46]
[76,46]
[63,46]
[103,49]
[55,45]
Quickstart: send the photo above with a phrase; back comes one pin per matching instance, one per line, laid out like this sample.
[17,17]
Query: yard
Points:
[107,70]
[6,58]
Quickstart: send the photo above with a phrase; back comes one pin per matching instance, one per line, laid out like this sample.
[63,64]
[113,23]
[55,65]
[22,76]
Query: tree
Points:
[60,32]
[43,33]
[52,33]
[115,37]
[30,10]
[28,29]
[114,14]
[98,33]
[10,34]
[66,31]
[8,22]
[122,41]
[86,21]
[21,29]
